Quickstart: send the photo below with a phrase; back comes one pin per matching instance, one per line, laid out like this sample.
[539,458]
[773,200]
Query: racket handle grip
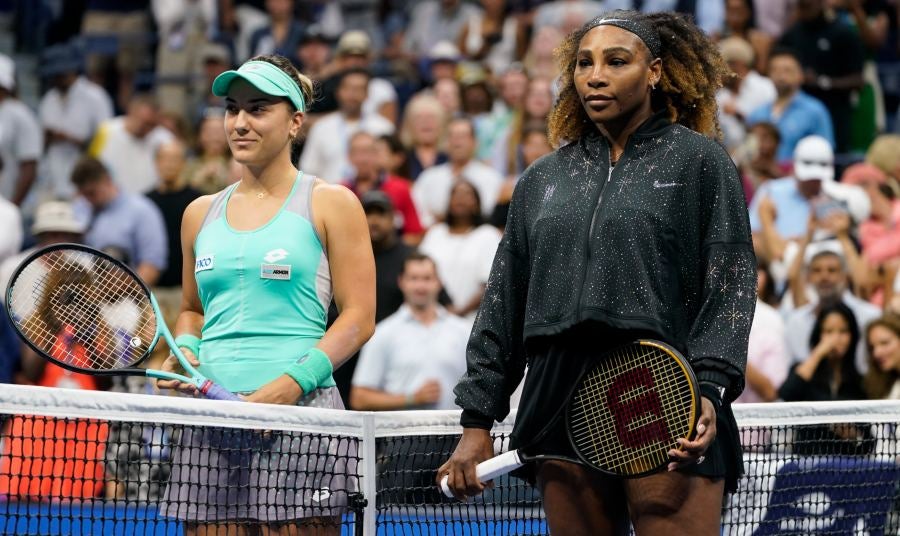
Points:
[490,469]
[215,391]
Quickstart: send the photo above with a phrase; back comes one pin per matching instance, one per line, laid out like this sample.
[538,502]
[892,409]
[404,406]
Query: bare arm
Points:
[148,273]
[368,399]
[27,174]
[190,319]
[761,384]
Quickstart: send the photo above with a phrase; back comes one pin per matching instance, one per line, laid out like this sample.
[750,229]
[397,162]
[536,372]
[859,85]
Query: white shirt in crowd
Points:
[404,354]
[756,90]
[800,322]
[11,237]
[380,92]
[325,152]
[79,112]
[21,140]
[767,351]
[431,191]
[463,260]
[130,160]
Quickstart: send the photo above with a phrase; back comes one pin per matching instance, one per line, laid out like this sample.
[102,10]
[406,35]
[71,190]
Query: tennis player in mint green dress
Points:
[262,261]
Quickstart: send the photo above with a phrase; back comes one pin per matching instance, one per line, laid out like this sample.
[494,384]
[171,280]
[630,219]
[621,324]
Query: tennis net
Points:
[78,462]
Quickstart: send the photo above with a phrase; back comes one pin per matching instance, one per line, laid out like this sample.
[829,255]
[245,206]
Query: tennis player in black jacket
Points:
[635,227]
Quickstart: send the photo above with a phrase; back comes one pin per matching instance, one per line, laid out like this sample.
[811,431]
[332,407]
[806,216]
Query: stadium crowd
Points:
[429,111]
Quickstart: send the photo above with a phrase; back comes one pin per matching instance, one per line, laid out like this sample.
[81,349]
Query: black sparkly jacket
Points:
[660,242]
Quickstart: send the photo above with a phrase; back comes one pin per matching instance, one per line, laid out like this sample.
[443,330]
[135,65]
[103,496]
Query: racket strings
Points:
[624,418]
[82,310]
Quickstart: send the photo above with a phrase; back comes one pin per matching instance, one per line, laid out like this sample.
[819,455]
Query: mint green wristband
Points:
[191,342]
[312,370]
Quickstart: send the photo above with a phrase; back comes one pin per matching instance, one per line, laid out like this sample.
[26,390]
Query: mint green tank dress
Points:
[265,296]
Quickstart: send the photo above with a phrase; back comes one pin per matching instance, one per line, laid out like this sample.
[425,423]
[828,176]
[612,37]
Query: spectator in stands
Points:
[832,57]
[463,249]
[539,59]
[11,223]
[826,277]
[535,110]
[392,157]
[325,151]
[796,113]
[767,356]
[492,36]
[879,236]
[363,157]
[126,145]
[128,21]
[756,158]
[71,112]
[281,34]
[477,94]
[171,196]
[54,223]
[884,153]
[740,21]
[390,253]
[208,171]
[432,21]
[742,93]
[432,189]
[828,372]
[442,61]
[216,59]
[534,145]
[314,51]
[493,130]
[354,51]
[568,15]
[882,381]
[423,133]
[124,224]
[780,210]
[182,30]
[448,92]
[417,353]
[21,140]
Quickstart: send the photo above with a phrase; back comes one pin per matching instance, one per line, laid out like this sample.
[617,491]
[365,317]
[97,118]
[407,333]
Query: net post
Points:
[369,470]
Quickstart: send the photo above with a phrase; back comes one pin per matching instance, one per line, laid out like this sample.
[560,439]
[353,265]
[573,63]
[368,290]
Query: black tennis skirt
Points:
[556,366]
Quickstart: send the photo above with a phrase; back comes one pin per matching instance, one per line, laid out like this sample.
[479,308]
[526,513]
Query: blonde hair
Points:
[884,153]
[422,102]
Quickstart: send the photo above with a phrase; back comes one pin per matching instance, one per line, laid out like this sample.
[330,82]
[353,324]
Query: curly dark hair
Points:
[692,71]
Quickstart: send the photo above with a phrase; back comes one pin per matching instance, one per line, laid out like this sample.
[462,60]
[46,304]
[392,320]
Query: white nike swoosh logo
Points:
[657,184]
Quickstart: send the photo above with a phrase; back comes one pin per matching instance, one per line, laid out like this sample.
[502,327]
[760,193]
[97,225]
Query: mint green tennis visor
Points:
[265,77]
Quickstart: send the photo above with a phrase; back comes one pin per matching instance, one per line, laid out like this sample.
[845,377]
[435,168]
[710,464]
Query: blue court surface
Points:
[131,519]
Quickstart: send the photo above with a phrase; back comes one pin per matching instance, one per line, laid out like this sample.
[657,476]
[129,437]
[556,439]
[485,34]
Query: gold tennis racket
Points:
[625,414]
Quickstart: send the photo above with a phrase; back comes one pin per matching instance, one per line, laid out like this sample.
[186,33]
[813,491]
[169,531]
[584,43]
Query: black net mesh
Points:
[162,465]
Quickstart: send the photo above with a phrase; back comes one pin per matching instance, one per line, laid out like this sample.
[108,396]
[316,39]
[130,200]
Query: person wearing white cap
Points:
[54,223]
[22,142]
[742,93]
[781,208]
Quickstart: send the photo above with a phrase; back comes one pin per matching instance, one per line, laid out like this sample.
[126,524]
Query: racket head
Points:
[629,409]
[83,310]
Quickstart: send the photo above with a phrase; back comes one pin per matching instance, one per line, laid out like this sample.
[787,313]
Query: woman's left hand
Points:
[692,451]
[282,390]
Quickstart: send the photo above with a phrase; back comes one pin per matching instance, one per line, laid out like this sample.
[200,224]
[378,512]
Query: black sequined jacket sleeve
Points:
[495,354]
[658,243]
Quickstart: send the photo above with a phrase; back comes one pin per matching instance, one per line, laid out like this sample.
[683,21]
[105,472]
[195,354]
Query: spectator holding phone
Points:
[781,209]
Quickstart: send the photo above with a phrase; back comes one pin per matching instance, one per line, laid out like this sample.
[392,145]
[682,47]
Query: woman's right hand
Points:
[826,346]
[475,447]
[172,365]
